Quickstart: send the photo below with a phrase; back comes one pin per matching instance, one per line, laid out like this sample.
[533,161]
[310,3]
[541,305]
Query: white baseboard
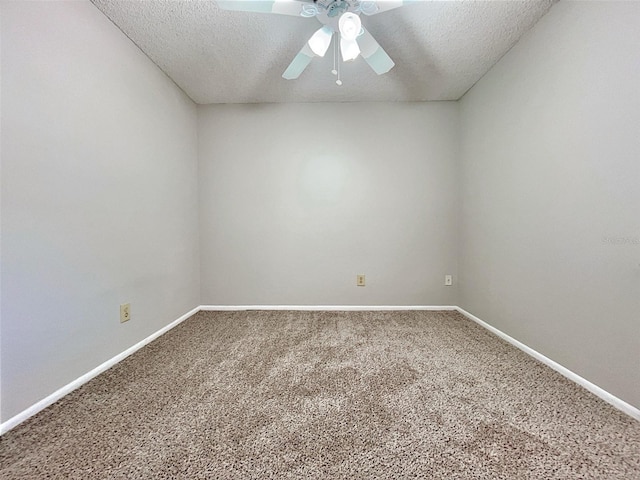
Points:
[574,377]
[61,392]
[324,308]
[58,394]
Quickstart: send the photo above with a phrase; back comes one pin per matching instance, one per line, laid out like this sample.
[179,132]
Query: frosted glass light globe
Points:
[320,41]
[350,26]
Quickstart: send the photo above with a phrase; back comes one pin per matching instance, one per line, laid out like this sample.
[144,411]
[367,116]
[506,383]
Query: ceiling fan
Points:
[339,17]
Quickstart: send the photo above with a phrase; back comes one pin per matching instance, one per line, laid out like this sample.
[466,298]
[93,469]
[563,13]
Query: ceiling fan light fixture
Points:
[349,49]
[320,41]
[339,17]
[350,26]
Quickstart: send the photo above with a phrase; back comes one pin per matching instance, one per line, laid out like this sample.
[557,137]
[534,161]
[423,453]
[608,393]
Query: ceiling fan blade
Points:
[373,7]
[374,54]
[282,7]
[299,63]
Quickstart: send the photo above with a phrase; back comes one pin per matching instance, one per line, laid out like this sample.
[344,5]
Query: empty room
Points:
[320,239]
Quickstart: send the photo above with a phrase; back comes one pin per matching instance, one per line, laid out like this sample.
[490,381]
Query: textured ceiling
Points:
[441,48]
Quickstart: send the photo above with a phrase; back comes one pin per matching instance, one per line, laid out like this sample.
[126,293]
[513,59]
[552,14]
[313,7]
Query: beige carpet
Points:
[326,395]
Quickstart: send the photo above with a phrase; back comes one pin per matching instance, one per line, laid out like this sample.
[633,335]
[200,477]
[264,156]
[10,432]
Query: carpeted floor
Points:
[326,395]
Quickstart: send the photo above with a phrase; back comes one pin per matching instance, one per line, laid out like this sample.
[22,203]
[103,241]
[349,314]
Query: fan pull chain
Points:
[335,49]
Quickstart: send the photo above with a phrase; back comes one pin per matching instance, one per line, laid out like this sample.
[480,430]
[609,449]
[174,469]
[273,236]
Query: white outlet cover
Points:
[125,312]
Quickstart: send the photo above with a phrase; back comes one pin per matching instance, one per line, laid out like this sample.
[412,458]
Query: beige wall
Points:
[99,203]
[550,152]
[297,199]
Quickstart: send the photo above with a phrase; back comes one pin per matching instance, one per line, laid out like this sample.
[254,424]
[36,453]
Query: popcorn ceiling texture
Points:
[441,48]
[326,395]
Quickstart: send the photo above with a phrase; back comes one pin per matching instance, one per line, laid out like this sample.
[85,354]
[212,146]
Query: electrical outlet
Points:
[360,280]
[448,280]
[125,312]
